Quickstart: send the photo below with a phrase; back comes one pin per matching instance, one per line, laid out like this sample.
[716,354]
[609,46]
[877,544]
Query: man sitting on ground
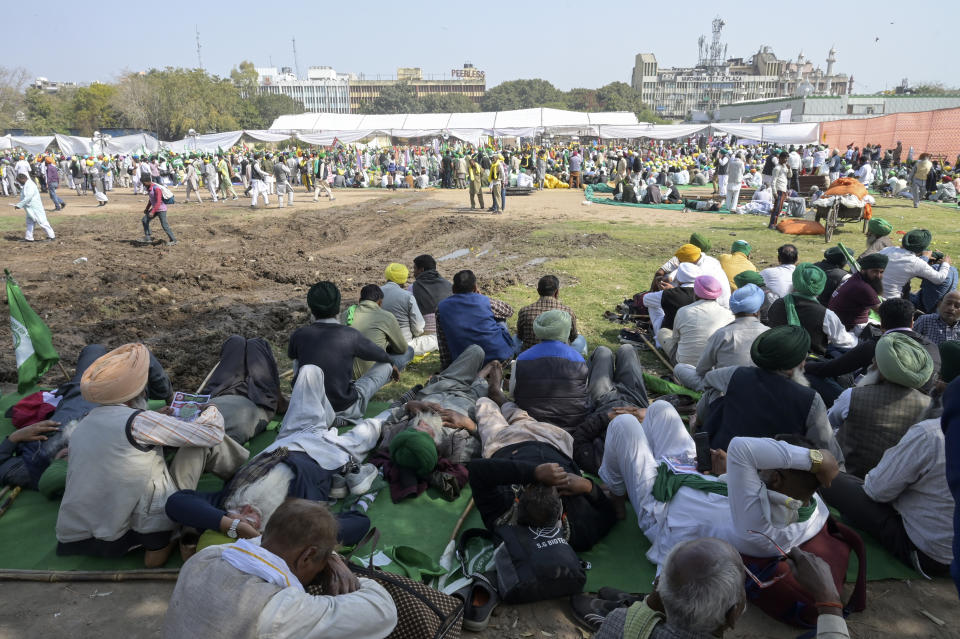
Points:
[548,287]
[902,500]
[696,253]
[117,477]
[467,317]
[832,264]
[520,451]
[549,380]
[696,322]
[779,279]
[769,486]
[801,308]
[730,344]
[332,347]
[308,460]
[378,326]
[737,261]
[245,387]
[830,377]
[700,594]
[753,277]
[28,451]
[259,589]
[664,303]
[874,415]
[878,236]
[853,300]
[908,261]
[768,399]
[944,325]
[429,289]
[403,305]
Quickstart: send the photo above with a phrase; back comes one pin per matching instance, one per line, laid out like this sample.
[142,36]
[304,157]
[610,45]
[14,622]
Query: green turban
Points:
[323,298]
[742,246]
[748,277]
[808,280]
[552,325]
[874,260]
[699,240]
[879,227]
[902,360]
[53,481]
[835,256]
[414,450]
[950,360]
[780,348]
[917,240]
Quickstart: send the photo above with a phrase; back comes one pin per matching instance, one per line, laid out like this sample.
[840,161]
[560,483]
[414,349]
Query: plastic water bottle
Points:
[80,260]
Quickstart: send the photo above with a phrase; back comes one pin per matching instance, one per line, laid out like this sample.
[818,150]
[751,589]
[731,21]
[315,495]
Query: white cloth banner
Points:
[795,133]
[5,142]
[130,144]
[31,143]
[326,138]
[74,145]
[208,143]
[652,131]
[267,136]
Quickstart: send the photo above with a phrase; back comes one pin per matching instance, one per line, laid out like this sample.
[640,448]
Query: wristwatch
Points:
[816,459]
[232,532]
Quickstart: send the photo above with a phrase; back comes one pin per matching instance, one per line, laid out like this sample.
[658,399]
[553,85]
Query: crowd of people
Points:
[824,383]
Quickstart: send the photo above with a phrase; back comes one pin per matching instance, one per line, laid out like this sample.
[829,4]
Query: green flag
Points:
[32,343]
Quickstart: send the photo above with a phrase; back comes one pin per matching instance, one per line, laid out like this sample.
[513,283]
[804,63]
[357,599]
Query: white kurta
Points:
[32,205]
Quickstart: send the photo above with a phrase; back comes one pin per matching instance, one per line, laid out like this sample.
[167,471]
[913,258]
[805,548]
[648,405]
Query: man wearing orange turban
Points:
[117,477]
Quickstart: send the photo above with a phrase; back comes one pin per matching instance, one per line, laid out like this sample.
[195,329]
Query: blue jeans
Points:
[401,360]
[57,202]
[162,215]
[366,387]
[930,294]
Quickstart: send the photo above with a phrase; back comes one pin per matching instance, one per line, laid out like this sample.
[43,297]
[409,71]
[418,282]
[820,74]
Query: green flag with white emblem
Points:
[32,343]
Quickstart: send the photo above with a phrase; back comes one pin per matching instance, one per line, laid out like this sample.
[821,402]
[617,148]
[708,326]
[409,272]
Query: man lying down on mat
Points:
[305,461]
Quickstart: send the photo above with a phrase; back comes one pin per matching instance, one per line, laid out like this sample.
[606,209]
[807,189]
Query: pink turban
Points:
[118,376]
[707,287]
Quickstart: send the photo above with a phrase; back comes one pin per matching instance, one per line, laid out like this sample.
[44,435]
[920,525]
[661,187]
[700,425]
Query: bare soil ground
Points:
[235,270]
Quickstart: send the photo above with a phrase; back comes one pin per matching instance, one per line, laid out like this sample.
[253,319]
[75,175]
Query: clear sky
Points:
[570,43]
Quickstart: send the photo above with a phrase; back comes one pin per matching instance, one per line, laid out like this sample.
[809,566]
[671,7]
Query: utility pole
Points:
[199,59]
[296,62]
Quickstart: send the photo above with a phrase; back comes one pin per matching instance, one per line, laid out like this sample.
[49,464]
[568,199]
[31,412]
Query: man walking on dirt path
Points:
[156,207]
[32,205]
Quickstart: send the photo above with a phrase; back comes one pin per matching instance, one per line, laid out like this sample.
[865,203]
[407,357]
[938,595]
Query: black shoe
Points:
[590,611]
[623,597]
[407,396]
[629,336]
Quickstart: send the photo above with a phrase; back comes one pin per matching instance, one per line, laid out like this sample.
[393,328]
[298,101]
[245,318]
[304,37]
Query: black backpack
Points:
[533,564]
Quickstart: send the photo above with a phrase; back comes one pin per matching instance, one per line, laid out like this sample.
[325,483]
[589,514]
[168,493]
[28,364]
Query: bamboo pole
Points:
[9,501]
[656,351]
[57,576]
[207,378]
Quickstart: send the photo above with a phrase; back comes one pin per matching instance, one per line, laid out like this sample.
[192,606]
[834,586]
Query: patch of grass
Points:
[595,279]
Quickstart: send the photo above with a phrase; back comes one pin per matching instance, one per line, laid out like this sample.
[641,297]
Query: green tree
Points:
[396,98]
[46,113]
[522,94]
[269,106]
[12,81]
[245,77]
[94,108]
[447,103]
[582,100]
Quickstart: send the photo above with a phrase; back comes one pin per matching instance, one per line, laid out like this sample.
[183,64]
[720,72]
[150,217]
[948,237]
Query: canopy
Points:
[793,133]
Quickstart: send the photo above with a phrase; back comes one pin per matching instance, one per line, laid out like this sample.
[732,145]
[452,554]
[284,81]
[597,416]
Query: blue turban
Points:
[747,299]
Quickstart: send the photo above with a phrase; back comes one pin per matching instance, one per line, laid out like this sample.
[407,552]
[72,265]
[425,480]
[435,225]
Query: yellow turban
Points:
[118,376]
[397,273]
[688,253]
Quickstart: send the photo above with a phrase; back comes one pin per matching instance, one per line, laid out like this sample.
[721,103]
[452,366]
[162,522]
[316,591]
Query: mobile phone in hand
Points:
[704,460]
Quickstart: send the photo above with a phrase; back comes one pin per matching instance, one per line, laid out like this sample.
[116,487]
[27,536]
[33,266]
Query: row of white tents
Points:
[324,129]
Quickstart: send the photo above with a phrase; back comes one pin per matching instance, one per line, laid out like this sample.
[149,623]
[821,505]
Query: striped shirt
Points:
[151,428]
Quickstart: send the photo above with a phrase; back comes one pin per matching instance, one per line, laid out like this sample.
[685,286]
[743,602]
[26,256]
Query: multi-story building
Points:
[48,86]
[323,91]
[468,81]
[823,108]
[678,92]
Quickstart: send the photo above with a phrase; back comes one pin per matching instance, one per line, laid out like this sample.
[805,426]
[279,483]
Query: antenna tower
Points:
[296,62]
[199,59]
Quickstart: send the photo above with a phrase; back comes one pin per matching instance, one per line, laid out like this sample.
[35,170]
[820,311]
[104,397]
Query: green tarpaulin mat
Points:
[660,386]
[28,541]
[588,194]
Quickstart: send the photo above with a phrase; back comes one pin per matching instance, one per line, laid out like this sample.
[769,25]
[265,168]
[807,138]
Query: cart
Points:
[836,215]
